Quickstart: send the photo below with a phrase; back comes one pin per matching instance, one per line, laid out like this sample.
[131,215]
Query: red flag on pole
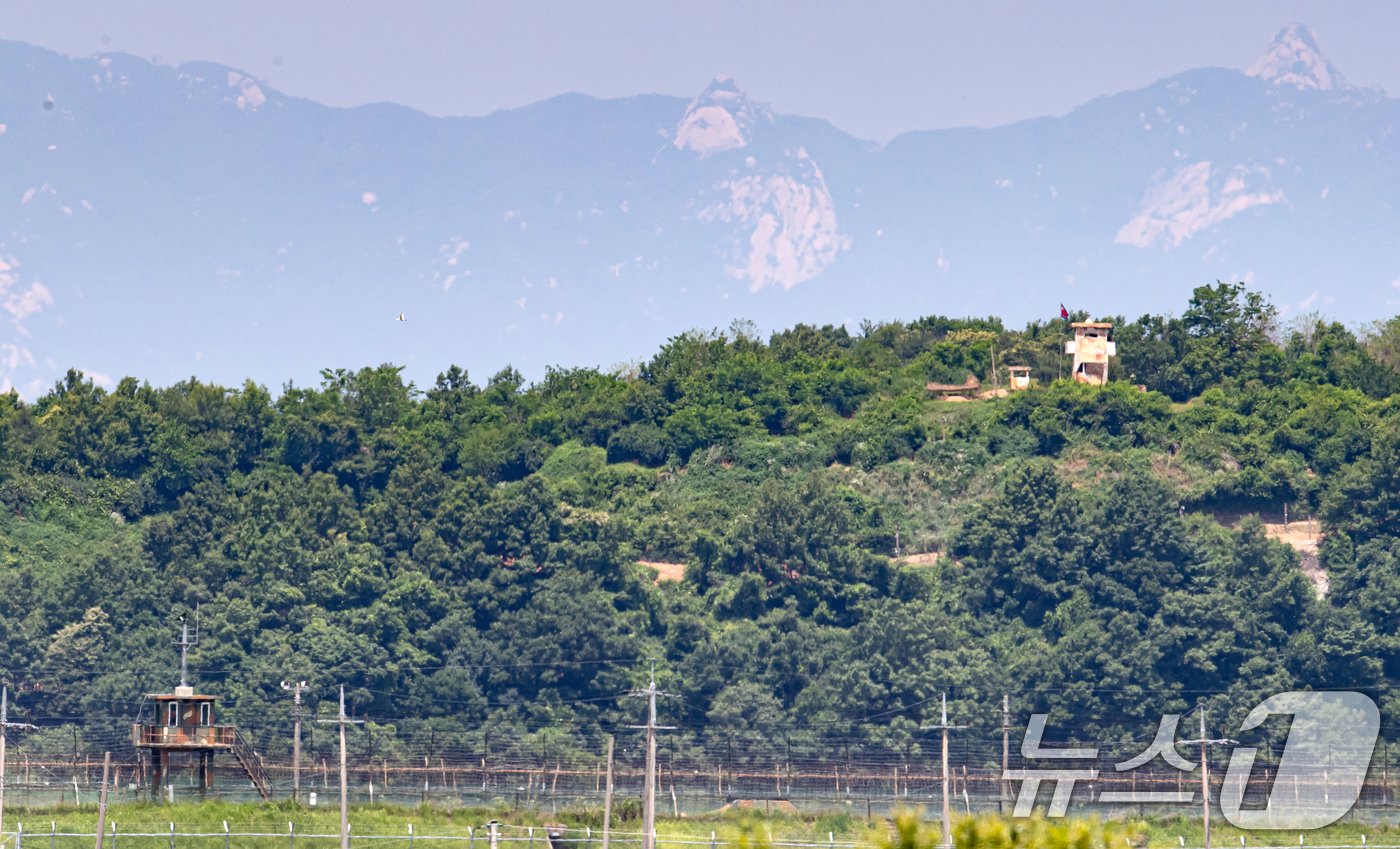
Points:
[1064,313]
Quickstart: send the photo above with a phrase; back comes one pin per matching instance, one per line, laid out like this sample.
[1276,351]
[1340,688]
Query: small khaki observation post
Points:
[184,724]
[1092,346]
[1020,378]
[972,384]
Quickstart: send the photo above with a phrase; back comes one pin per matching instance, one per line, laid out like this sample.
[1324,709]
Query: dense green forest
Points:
[465,557]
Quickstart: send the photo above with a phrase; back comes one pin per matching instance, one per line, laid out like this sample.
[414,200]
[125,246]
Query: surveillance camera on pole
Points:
[296,690]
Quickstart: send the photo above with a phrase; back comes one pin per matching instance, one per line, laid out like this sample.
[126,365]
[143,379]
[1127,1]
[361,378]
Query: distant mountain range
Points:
[167,222]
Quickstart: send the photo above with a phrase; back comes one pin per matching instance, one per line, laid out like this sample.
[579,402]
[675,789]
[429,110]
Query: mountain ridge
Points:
[143,207]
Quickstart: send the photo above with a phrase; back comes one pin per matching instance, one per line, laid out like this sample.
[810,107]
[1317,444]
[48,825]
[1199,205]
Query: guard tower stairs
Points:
[252,764]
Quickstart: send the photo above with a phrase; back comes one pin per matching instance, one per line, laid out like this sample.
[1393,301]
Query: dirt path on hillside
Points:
[1302,535]
[665,571]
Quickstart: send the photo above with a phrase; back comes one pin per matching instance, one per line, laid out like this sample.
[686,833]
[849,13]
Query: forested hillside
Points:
[465,556]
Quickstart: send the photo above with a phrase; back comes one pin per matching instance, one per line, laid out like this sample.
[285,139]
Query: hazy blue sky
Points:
[873,69]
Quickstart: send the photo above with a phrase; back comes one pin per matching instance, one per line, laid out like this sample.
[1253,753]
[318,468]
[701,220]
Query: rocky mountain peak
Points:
[721,118]
[1294,59]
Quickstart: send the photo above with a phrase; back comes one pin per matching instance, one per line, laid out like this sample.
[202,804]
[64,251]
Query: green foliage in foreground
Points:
[464,558]
[995,832]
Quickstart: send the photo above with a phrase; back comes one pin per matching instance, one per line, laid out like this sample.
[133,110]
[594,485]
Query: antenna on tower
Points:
[185,642]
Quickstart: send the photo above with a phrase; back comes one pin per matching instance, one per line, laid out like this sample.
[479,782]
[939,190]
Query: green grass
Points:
[390,820]
[730,827]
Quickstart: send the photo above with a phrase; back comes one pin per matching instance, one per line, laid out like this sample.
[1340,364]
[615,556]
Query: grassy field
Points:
[259,826]
[145,826]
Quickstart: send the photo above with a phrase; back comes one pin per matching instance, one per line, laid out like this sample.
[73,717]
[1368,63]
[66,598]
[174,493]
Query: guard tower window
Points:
[172,714]
[203,713]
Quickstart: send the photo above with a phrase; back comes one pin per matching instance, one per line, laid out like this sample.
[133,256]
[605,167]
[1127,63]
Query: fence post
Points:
[291,836]
[53,833]
[172,835]
[495,833]
[19,837]
[102,803]
[471,838]
[410,836]
[225,834]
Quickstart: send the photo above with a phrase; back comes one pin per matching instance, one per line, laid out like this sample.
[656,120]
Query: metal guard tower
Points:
[184,723]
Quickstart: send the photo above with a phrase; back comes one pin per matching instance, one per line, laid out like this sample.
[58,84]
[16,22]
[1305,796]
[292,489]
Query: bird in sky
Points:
[401,318]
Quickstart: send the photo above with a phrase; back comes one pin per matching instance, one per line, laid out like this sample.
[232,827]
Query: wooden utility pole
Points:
[1005,749]
[4,726]
[607,796]
[944,727]
[649,800]
[296,689]
[342,721]
[1205,745]
[102,798]
[946,815]
[1205,783]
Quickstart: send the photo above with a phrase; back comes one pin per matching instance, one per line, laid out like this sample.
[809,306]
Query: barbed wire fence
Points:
[563,769]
